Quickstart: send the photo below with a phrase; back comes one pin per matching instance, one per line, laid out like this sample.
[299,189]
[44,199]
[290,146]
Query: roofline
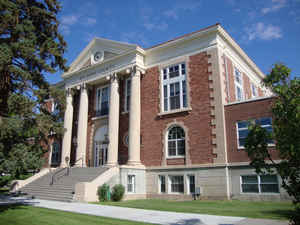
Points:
[137,50]
[83,52]
[240,51]
[196,33]
[250,100]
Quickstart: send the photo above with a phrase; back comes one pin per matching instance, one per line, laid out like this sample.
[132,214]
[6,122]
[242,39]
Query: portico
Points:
[112,118]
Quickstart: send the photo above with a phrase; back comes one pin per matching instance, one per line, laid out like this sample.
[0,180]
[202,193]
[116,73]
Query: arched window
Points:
[176,141]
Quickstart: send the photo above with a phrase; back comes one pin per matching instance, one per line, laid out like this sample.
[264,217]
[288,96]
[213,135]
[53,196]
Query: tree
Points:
[30,48]
[286,134]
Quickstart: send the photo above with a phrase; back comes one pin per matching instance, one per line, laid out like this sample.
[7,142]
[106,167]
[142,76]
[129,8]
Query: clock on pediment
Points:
[97,57]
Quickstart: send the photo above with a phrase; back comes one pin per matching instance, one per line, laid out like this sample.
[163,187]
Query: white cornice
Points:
[240,51]
[116,44]
[137,50]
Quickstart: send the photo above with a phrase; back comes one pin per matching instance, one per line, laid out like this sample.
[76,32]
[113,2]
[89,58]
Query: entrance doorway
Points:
[100,154]
[100,146]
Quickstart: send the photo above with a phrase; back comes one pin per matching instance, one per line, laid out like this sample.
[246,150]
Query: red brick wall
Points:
[230,72]
[197,121]
[123,125]
[91,113]
[246,85]
[240,112]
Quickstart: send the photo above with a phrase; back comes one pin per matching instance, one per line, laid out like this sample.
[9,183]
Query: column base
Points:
[134,163]
[111,164]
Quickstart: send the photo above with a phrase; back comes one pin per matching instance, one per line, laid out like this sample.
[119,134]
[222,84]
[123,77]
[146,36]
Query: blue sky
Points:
[267,30]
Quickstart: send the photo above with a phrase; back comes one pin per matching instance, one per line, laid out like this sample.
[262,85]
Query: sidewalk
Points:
[141,215]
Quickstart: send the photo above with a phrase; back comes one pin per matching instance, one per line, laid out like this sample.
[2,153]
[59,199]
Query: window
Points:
[176,184]
[239,92]
[191,184]
[259,184]
[253,90]
[131,183]
[102,101]
[127,94]
[242,129]
[176,142]
[55,158]
[174,87]
[162,184]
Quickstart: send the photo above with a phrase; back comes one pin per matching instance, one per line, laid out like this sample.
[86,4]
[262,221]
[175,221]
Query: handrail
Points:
[55,175]
[79,160]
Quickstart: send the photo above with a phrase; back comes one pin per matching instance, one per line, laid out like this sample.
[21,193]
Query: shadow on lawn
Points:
[188,222]
[282,213]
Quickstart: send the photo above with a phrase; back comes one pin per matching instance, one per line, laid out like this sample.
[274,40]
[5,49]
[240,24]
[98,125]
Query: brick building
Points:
[167,120]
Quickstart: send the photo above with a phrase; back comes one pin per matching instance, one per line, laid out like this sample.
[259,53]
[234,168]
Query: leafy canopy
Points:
[286,132]
[30,47]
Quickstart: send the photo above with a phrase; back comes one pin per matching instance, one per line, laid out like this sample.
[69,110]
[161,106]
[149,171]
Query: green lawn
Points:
[266,210]
[28,215]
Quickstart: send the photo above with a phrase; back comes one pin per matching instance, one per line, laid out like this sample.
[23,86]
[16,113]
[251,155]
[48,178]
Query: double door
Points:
[100,154]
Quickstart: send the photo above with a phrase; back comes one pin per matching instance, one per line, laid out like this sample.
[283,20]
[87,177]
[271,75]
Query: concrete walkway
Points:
[149,216]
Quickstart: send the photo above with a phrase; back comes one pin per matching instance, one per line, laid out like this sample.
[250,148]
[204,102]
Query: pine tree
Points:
[30,47]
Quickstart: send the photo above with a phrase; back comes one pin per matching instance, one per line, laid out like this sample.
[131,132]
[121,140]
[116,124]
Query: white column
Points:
[82,126]
[113,121]
[68,123]
[135,119]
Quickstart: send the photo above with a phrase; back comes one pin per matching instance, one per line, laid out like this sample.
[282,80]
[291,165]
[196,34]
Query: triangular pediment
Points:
[99,50]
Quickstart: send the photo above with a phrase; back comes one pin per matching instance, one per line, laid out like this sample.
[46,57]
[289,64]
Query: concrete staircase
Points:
[64,186]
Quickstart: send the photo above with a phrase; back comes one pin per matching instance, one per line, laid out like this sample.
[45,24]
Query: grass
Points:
[264,210]
[29,215]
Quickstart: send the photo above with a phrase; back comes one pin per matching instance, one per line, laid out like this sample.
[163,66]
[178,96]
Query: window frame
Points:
[126,95]
[189,183]
[254,91]
[251,121]
[176,142]
[98,101]
[160,184]
[238,85]
[133,183]
[170,184]
[259,183]
[181,78]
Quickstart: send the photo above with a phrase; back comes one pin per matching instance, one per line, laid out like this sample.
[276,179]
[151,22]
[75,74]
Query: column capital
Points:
[114,77]
[137,71]
[69,92]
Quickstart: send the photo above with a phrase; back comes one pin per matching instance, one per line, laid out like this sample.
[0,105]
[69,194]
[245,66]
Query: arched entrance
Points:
[100,146]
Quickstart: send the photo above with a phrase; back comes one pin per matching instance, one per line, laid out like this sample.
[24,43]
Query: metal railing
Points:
[64,171]
[58,174]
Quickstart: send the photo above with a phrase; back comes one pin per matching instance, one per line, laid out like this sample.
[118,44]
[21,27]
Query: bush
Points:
[103,193]
[117,192]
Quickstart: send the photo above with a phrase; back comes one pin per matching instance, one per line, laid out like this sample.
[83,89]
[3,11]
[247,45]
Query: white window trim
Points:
[169,81]
[239,85]
[97,107]
[251,120]
[259,188]
[167,144]
[253,87]
[169,184]
[188,183]
[133,184]
[125,95]
[159,184]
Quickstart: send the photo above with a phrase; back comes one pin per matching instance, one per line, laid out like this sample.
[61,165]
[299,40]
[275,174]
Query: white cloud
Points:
[275,6]
[159,26]
[90,21]
[69,20]
[174,12]
[263,32]
[134,38]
